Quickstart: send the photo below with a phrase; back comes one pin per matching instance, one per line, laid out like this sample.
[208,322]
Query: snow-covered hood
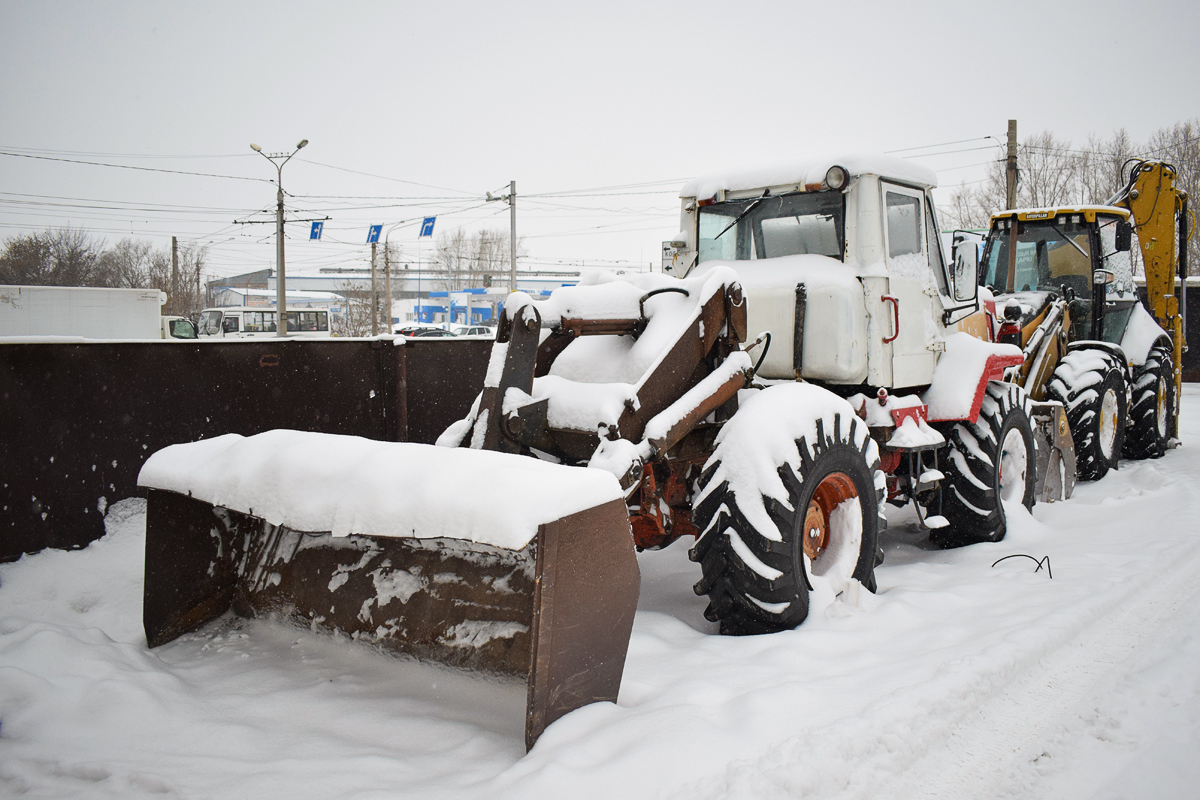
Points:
[770,273]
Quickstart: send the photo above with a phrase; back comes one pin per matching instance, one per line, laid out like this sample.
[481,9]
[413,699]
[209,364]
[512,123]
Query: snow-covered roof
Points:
[810,171]
[290,293]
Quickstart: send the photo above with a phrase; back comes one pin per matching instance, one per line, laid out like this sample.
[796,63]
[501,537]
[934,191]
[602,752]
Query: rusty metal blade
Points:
[557,613]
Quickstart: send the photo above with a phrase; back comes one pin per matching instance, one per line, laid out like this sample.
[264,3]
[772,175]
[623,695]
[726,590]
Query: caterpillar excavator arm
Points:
[1160,217]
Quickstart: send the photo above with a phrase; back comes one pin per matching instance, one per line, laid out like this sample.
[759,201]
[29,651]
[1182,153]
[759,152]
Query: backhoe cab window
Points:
[780,225]
[1050,254]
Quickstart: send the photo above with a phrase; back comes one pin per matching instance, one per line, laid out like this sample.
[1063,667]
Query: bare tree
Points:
[1179,145]
[59,257]
[355,319]
[127,264]
[475,259]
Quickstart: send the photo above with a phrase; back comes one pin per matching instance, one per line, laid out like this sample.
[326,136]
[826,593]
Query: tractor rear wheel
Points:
[1152,409]
[1091,385]
[810,514]
[990,461]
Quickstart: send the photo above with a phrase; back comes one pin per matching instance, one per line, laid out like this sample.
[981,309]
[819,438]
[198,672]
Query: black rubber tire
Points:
[741,599]
[973,485]
[1152,408]
[1082,381]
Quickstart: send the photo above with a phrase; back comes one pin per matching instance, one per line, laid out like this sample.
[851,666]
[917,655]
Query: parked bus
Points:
[247,322]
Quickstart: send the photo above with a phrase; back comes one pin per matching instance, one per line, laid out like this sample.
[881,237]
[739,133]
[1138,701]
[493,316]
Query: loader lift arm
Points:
[698,372]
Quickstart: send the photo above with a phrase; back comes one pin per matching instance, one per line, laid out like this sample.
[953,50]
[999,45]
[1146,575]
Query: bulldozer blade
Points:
[557,613]
[1055,458]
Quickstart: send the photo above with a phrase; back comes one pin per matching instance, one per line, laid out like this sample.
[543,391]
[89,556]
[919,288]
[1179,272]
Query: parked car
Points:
[422,331]
[472,330]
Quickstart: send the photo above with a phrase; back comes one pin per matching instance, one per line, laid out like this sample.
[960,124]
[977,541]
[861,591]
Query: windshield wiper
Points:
[1070,241]
[742,215]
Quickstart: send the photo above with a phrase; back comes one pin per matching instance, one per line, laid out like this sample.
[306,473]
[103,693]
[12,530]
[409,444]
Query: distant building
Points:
[419,294]
[233,296]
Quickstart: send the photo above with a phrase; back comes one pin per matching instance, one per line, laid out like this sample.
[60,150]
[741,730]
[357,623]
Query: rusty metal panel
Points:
[78,420]
[441,377]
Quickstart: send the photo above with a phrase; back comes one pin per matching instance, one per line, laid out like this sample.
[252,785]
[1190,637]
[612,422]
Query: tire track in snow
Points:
[991,752]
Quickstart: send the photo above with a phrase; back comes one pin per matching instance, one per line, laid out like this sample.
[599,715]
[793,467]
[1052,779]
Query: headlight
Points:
[836,177]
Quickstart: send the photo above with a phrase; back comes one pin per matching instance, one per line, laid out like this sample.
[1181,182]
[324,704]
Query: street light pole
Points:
[280,286]
[387,267]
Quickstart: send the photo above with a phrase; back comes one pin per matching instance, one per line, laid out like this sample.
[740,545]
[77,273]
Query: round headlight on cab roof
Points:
[836,177]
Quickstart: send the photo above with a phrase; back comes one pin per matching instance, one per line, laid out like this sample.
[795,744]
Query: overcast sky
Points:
[598,111]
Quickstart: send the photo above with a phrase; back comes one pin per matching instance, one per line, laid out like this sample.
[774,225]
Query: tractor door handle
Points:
[895,301]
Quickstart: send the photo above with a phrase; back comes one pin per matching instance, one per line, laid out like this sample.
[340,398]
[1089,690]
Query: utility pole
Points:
[174,275]
[374,295]
[512,235]
[387,282]
[511,199]
[1010,169]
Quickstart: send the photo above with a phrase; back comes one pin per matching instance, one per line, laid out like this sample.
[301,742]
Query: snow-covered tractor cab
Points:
[1060,284]
[841,263]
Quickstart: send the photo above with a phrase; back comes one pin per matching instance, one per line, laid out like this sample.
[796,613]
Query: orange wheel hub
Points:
[834,489]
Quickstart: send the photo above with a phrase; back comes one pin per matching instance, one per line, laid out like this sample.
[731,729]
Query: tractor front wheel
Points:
[776,520]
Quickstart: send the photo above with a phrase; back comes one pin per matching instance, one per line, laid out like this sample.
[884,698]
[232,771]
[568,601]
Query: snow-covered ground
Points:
[958,679]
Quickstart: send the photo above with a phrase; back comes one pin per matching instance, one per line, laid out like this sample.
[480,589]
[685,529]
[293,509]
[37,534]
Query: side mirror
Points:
[1124,236]
[965,277]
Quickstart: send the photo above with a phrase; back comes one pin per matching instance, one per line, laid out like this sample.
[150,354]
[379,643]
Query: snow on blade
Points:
[349,485]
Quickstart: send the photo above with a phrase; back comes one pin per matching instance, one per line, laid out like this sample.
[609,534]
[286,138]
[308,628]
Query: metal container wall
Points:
[77,420]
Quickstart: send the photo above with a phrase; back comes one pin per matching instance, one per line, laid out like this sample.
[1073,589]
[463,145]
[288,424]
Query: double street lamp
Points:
[280,288]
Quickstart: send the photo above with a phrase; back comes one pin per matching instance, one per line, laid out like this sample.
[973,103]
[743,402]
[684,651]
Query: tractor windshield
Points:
[1049,254]
[773,225]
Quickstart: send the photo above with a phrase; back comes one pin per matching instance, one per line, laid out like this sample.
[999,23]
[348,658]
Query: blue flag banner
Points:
[427,226]
[373,233]
[316,230]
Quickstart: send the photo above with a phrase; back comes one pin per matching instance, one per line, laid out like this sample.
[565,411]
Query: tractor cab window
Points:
[1120,263]
[903,224]
[1050,254]
[772,226]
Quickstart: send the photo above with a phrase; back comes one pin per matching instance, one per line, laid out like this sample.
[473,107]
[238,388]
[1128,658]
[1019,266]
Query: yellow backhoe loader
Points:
[1063,289]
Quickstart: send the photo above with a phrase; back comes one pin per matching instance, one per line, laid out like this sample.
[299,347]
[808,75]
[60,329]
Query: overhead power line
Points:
[45,151]
[129,166]
[942,144]
[385,177]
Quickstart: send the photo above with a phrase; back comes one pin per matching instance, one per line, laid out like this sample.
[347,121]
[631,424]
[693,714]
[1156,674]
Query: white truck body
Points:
[89,312]
[881,293]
